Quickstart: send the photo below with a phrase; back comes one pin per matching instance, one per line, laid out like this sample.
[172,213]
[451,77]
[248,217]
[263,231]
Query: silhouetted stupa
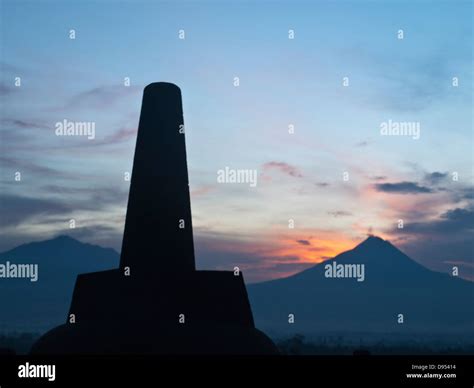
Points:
[157,302]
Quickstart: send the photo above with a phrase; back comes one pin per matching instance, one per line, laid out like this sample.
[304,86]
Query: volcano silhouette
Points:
[157,302]
[393,284]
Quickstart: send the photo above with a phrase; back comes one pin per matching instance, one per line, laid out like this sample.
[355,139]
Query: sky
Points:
[351,67]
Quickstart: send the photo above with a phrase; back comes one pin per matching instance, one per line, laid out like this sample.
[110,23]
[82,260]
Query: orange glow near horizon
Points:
[281,253]
[316,248]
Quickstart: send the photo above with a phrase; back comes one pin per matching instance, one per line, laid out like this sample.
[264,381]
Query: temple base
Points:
[113,313]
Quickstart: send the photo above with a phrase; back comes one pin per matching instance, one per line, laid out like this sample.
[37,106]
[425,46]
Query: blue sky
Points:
[282,82]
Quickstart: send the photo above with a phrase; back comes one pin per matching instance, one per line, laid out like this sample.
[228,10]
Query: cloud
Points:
[23,124]
[17,210]
[18,133]
[97,199]
[255,264]
[283,167]
[340,213]
[448,237]
[17,139]
[303,242]
[101,96]
[452,221]
[322,184]
[459,193]
[468,193]
[460,218]
[22,165]
[116,137]
[378,178]
[57,189]
[435,177]
[402,188]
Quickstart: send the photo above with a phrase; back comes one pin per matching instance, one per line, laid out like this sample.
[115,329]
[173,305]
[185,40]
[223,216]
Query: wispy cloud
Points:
[364,143]
[101,97]
[57,201]
[119,136]
[402,188]
[322,184]
[303,242]
[452,221]
[23,124]
[436,177]
[16,164]
[284,168]
[378,178]
[16,210]
[340,213]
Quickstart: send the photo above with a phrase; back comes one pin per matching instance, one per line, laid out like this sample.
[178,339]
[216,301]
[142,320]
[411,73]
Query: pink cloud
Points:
[283,167]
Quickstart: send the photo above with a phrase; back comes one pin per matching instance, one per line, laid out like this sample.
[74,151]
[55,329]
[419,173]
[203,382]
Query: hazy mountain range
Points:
[393,284]
[43,304]
[384,283]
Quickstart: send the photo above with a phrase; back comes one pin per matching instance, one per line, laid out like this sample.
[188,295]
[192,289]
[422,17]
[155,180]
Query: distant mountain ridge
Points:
[394,284]
[26,305]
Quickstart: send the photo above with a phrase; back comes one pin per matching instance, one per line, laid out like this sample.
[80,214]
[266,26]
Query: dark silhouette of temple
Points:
[157,302]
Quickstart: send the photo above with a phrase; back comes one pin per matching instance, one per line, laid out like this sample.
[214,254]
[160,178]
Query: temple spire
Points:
[158,219]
